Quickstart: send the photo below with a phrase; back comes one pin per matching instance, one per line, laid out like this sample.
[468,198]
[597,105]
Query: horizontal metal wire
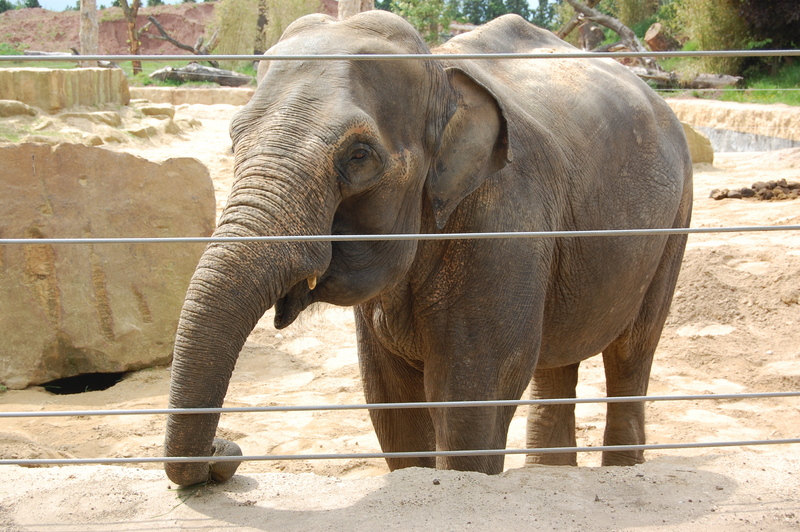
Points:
[418,454]
[424,236]
[392,406]
[394,57]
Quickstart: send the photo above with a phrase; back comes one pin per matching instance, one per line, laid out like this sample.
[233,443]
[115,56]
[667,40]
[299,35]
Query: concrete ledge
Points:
[55,89]
[204,96]
[735,126]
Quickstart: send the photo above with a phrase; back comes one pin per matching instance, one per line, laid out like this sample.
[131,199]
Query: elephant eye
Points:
[359,164]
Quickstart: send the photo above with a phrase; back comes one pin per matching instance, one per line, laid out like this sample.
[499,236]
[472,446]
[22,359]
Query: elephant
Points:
[409,146]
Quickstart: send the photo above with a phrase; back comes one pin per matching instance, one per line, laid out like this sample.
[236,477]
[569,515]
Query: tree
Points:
[154,3]
[715,26]
[482,11]
[773,24]
[544,14]
[90,30]
[5,5]
[430,17]
[32,3]
[131,11]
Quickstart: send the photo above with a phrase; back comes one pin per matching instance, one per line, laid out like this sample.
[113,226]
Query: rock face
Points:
[92,308]
[55,89]
[735,126]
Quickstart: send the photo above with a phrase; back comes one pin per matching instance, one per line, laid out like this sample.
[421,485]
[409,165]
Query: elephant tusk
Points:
[312,282]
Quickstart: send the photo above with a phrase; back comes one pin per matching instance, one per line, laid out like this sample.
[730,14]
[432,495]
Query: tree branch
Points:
[165,36]
[197,49]
[625,33]
[574,22]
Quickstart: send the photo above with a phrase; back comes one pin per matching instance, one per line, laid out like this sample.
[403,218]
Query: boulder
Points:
[699,145]
[15,108]
[80,308]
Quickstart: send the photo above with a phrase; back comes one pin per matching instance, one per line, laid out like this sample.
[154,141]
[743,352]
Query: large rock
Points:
[55,89]
[699,145]
[84,308]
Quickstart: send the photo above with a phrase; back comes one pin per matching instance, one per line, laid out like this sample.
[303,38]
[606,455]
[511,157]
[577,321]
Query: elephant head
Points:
[325,147]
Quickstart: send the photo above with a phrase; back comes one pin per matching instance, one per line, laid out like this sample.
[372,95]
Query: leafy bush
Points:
[237,24]
[9,49]
[714,25]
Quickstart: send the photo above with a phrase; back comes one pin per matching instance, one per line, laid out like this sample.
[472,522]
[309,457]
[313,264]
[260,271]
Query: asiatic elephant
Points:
[459,146]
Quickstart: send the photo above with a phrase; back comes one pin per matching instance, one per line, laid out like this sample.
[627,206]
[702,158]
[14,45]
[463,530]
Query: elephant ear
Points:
[474,146]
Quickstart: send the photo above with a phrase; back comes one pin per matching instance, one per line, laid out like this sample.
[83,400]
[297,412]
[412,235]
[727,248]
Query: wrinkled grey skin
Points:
[348,147]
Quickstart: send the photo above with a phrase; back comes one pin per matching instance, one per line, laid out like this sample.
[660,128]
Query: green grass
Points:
[783,87]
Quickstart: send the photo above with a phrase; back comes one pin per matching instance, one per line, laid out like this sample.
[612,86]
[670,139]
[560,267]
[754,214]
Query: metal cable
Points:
[418,454]
[394,57]
[391,406]
[439,236]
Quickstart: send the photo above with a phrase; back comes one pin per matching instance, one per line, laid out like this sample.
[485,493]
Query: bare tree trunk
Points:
[90,44]
[348,8]
[261,27]
[625,33]
[131,11]
[574,22]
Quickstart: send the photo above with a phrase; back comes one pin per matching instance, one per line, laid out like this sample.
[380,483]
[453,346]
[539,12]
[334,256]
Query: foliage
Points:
[284,12]
[235,22]
[714,26]
[154,3]
[11,49]
[544,15]
[482,11]
[772,25]
[430,17]
[634,12]
[6,5]
[237,25]
[32,3]
[774,22]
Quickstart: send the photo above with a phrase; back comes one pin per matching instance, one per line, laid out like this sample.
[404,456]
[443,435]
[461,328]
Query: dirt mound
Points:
[51,31]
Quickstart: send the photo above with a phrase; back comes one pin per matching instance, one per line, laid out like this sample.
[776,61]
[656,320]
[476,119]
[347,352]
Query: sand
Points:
[733,328]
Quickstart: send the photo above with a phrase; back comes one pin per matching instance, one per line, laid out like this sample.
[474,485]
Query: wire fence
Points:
[382,237]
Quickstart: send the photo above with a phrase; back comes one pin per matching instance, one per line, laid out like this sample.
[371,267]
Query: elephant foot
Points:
[558,459]
[223,471]
[622,458]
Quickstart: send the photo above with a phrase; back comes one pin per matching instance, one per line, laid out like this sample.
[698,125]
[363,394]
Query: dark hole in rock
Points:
[86,382]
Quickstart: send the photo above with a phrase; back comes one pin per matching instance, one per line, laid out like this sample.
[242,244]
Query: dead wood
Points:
[197,49]
[197,72]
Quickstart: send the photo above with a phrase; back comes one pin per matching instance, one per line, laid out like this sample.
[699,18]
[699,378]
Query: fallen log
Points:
[671,80]
[196,72]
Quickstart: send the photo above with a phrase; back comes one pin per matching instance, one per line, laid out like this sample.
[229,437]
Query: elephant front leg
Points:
[552,425]
[463,429]
[389,379]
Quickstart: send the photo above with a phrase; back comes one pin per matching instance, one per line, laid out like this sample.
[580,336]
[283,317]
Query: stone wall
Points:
[70,309]
[204,96]
[55,89]
[735,126]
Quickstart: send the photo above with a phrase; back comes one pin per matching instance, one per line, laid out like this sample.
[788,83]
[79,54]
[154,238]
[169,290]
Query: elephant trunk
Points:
[234,284]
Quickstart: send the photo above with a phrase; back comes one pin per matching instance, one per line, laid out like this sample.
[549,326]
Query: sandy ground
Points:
[733,328]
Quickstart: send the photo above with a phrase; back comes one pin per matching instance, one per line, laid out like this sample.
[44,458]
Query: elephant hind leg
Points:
[552,425]
[628,359]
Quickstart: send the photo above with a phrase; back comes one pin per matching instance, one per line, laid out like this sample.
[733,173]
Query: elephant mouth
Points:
[296,300]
